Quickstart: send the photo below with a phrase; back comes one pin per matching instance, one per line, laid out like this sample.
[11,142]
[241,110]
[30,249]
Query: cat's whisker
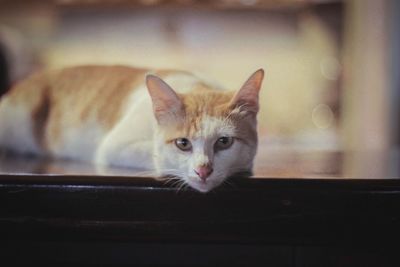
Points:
[171,180]
[177,183]
[168,172]
[228,183]
[170,176]
[182,186]
[170,183]
[186,186]
[145,173]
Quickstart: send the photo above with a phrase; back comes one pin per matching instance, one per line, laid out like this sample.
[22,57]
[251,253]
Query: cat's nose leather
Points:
[204,171]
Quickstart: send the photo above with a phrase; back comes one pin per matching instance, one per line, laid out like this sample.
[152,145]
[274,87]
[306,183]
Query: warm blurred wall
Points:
[367,89]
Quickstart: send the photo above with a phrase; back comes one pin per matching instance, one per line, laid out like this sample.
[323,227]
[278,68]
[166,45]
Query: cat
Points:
[166,121]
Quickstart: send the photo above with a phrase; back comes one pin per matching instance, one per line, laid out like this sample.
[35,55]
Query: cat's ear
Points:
[166,103]
[247,97]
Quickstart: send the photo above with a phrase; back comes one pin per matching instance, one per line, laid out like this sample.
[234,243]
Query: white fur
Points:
[79,142]
[129,143]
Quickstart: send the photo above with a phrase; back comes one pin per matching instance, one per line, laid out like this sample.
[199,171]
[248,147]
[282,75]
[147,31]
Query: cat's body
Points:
[69,113]
[113,115]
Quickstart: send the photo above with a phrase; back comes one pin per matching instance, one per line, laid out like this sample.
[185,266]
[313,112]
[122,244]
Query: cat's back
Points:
[82,90]
[40,112]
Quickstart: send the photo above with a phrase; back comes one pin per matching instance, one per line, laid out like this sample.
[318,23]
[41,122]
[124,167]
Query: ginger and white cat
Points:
[123,116]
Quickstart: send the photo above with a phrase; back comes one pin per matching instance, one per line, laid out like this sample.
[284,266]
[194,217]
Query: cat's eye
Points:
[224,142]
[183,144]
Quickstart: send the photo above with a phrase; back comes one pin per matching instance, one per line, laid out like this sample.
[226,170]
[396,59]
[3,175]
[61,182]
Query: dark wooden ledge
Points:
[251,222]
[268,211]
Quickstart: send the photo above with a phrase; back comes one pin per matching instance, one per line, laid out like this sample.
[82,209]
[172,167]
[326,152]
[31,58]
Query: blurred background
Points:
[330,99]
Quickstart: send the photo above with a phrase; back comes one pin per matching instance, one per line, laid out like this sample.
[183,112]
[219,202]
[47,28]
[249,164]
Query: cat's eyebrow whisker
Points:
[229,115]
[241,106]
[235,110]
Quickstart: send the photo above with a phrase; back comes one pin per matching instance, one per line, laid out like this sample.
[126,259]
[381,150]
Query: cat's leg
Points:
[127,147]
[136,154]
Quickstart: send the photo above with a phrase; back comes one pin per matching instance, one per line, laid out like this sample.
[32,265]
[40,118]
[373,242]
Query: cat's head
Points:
[207,135]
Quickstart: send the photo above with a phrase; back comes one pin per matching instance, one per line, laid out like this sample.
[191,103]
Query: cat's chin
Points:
[203,187]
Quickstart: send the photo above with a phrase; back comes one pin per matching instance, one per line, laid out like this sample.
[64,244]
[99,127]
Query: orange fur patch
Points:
[204,102]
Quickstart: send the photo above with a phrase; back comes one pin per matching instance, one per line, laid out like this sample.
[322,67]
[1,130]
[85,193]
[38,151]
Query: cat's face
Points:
[205,136]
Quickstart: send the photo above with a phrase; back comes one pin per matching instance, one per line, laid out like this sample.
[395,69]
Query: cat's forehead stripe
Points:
[211,126]
[206,113]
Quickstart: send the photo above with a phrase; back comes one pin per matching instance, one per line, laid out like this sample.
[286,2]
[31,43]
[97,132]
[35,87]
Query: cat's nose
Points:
[204,171]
